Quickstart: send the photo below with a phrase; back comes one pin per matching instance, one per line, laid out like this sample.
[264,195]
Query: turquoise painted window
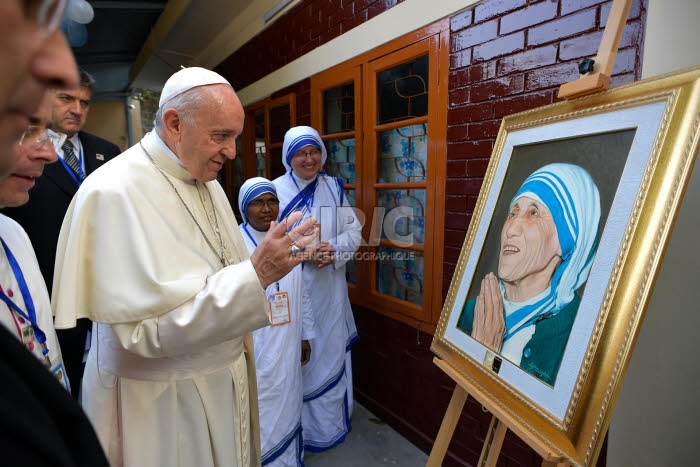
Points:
[403,154]
[341,159]
[400,274]
[411,221]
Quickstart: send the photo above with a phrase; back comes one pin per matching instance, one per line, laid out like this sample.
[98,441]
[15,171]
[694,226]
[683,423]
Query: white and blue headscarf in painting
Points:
[251,189]
[295,139]
[572,197]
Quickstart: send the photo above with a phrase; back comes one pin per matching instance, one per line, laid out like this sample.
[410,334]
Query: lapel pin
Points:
[99,157]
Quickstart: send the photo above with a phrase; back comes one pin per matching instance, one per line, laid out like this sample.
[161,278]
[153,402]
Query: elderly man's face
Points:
[31,153]
[529,241]
[205,145]
[262,211]
[30,61]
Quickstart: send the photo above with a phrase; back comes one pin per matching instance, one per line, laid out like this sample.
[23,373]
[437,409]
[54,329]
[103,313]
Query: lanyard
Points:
[308,206]
[255,244]
[26,296]
[79,177]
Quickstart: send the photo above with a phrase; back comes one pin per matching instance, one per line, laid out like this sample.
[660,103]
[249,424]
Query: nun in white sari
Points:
[548,243]
[278,348]
[327,378]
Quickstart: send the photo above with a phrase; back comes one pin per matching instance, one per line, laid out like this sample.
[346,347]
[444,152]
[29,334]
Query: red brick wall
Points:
[307,25]
[505,56]
[512,55]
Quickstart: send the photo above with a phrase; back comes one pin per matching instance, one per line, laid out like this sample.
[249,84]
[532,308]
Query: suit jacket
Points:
[40,424]
[42,216]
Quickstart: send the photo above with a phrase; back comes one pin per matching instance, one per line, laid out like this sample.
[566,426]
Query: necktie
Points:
[69,157]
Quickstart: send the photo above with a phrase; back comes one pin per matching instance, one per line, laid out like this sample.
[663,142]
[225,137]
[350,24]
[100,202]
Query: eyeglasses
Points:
[34,137]
[48,13]
[303,154]
[258,203]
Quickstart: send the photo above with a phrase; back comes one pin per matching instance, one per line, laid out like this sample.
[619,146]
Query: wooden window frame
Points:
[362,70]
[248,136]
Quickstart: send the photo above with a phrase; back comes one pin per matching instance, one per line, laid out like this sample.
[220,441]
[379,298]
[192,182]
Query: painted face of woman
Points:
[529,242]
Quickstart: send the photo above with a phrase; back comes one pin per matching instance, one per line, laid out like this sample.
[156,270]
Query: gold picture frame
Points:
[639,143]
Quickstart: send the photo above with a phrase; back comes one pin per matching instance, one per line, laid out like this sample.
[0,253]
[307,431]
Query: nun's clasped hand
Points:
[275,256]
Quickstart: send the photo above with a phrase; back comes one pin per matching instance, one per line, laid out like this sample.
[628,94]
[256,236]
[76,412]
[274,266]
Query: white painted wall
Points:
[655,417]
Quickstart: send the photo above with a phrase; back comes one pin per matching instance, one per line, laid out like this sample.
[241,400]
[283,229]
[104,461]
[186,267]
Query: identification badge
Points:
[60,374]
[28,335]
[279,309]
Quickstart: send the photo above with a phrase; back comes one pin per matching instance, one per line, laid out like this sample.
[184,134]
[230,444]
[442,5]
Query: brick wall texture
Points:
[506,56]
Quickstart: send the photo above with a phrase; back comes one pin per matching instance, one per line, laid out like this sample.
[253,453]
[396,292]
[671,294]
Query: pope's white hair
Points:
[186,104]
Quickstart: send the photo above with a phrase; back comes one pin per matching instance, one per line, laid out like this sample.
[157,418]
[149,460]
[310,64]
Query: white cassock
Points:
[327,377]
[170,377]
[278,368]
[20,248]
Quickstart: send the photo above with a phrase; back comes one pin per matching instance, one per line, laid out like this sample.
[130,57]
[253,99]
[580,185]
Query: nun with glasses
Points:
[548,243]
[282,348]
[328,396]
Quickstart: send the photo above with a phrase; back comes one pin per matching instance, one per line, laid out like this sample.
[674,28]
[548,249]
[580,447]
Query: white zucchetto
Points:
[186,79]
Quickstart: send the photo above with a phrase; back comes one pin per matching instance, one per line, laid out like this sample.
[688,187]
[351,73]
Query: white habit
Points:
[170,377]
[327,377]
[20,247]
[278,368]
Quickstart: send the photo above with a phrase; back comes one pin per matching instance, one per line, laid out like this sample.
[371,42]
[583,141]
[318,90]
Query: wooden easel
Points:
[500,423]
[598,79]
[595,79]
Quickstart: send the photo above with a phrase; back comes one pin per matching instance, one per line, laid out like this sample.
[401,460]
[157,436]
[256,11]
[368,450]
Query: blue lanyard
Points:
[256,245]
[79,177]
[250,236]
[26,296]
[308,206]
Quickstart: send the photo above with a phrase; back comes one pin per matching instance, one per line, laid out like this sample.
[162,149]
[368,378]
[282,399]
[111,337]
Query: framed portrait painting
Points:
[560,258]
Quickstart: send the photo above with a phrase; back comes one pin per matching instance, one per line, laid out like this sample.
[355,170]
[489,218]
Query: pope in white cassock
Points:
[282,348]
[150,251]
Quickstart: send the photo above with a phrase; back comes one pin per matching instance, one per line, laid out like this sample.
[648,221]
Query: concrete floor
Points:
[370,443]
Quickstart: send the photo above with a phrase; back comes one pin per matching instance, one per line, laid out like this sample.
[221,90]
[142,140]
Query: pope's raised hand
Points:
[280,251]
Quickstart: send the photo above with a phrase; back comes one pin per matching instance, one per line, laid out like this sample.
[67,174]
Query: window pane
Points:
[351,266]
[237,167]
[237,178]
[339,104]
[351,272]
[279,123]
[260,124]
[406,224]
[260,162]
[341,159]
[260,150]
[403,91]
[276,167]
[403,154]
[400,274]
[350,196]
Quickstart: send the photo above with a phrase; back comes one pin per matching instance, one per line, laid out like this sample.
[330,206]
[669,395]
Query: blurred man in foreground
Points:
[34,55]
[79,154]
[40,423]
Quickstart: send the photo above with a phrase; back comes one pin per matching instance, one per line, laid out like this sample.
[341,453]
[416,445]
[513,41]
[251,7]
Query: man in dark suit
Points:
[79,153]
